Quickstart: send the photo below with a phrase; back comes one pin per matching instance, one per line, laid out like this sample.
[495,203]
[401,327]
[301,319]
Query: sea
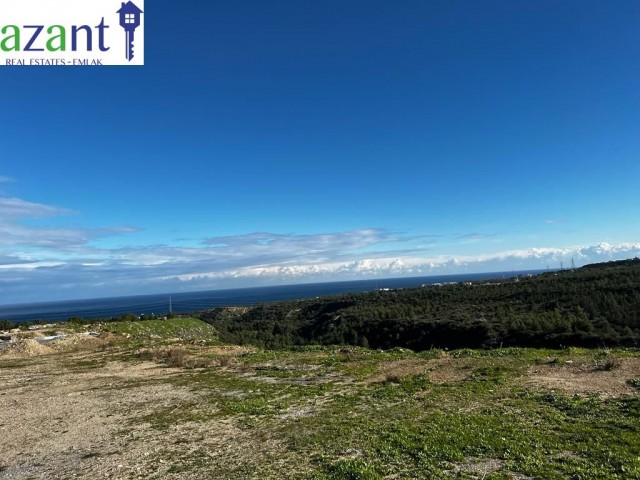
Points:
[185,302]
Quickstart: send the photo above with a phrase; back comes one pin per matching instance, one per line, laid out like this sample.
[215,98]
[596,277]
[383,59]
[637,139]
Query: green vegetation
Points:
[78,323]
[182,329]
[361,414]
[597,305]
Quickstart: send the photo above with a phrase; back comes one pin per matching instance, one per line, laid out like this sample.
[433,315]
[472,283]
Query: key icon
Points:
[129,20]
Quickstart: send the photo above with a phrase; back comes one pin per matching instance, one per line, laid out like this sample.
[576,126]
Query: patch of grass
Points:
[491,424]
[493,374]
[166,417]
[411,428]
[350,469]
[425,444]
[87,364]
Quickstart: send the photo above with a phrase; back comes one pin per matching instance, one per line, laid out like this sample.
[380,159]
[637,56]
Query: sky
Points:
[279,142]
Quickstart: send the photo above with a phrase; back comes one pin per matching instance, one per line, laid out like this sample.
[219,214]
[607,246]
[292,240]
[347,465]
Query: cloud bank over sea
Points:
[43,262]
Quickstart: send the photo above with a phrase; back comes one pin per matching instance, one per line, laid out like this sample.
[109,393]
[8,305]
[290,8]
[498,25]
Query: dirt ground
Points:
[60,420]
[580,377]
[440,370]
[587,378]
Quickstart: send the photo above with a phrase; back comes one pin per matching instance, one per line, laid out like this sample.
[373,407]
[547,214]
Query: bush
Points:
[611,364]
[7,325]
[176,357]
[226,360]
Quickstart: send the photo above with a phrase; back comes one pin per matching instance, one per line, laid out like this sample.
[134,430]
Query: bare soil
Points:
[587,378]
[82,415]
[440,370]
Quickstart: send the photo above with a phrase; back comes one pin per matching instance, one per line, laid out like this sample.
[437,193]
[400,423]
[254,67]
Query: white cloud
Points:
[14,233]
[16,208]
[530,259]
[45,263]
[176,269]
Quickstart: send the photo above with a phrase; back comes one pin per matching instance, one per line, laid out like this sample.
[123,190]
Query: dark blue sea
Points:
[188,302]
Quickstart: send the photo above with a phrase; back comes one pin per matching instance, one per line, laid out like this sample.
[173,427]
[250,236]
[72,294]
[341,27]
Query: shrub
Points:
[226,360]
[176,357]
[611,364]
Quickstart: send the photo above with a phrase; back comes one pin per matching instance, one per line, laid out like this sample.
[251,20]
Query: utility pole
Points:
[573,265]
[170,307]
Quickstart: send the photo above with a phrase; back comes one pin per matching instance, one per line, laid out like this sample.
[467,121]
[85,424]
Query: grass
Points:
[490,425]
[419,430]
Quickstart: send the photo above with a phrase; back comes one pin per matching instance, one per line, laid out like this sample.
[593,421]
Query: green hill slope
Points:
[592,306]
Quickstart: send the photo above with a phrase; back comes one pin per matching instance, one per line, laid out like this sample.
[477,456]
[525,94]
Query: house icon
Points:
[129,16]
[129,20]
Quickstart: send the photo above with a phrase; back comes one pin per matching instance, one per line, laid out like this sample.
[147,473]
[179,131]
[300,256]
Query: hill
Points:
[592,306]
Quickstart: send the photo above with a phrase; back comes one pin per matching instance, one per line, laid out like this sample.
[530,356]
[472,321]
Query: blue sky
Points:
[282,142]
